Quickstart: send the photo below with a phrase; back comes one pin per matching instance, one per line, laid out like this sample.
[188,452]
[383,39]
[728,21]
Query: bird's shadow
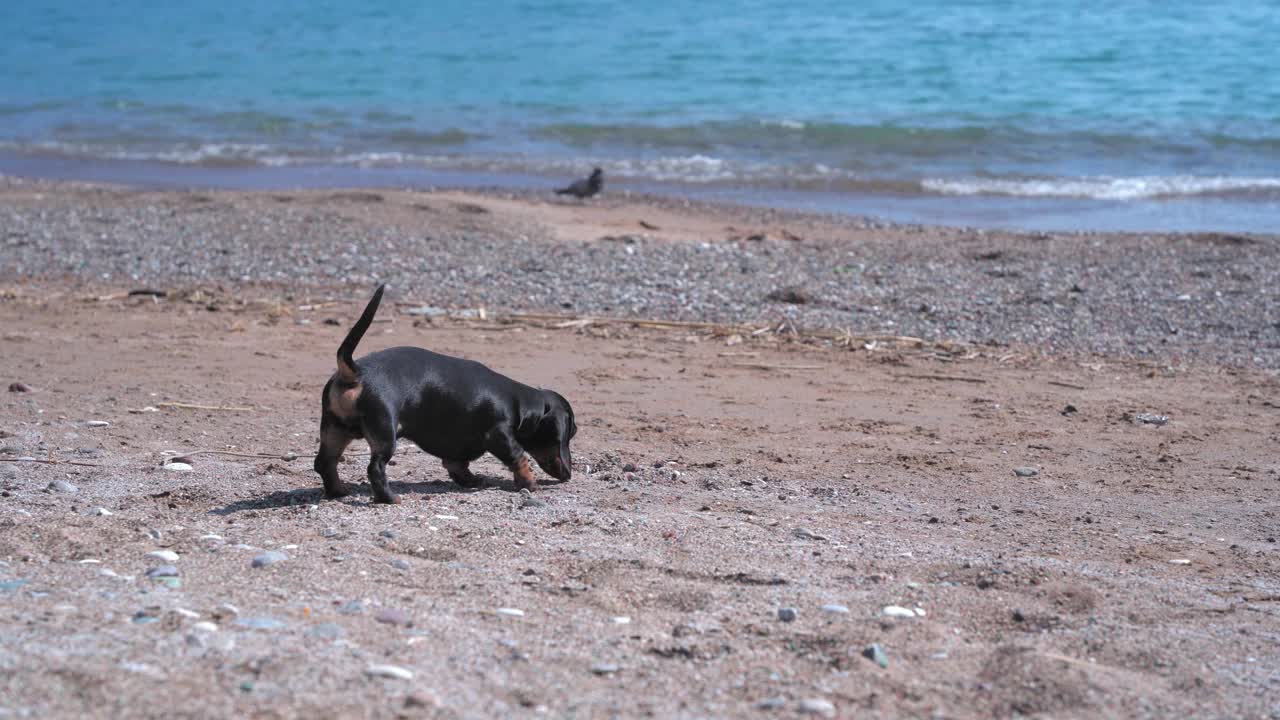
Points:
[361,494]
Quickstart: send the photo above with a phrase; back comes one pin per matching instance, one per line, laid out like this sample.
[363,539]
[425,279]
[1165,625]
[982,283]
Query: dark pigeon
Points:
[586,187]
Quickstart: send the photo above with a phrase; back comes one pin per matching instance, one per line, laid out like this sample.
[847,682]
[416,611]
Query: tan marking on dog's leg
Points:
[342,401]
[523,473]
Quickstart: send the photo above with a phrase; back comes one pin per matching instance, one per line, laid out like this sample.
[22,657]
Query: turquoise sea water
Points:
[1126,112]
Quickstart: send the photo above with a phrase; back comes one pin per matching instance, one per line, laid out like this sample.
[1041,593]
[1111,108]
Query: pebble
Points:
[178,466]
[528,500]
[226,610]
[876,654]
[604,668]
[189,614]
[1026,472]
[259,623]
[833,608]
[168,556]
[205,626]
[389,671]
[163,571]
[270,557]
[817,706]
[898,611]
[1150,419]
[326,631]
[62,486]
[621,620]
[400,564]
[102,512]
[446,517]
[787,614]
[329,532]
[630,467]
[392,616]
[1180,561]
[773,703]
[510,612]
[352,607]
[17,387]
[96,423]
[387,534]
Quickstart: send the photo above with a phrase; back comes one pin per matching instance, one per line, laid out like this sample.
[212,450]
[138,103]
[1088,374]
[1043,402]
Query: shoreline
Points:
[1172,299]
[888,201]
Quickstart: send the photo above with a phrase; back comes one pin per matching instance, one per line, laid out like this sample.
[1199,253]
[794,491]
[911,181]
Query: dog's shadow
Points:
[361,494]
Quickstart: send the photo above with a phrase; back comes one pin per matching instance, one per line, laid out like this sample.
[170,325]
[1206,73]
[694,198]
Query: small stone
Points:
[604,668]
[389,671]
[351,607]
[837,609]
[388,534]
[329,532]
[630,467]
[1026,472]
[876,654]
[96,423]
[259,623]
[773,703]
[188,614]
[1179,561]
[226,610]
[103,512]
[527,499]
[621,620]
[62,486]
[898,611]
[1018,616]
[392,616]
[510,612]
[270,557]
[817,706]
[421,700]
[163,571]
[168,556]
[446,517]
[205,626]
[327,631]
[787,614]
[18,387]
[1150,419]
[400,564]
[178,467]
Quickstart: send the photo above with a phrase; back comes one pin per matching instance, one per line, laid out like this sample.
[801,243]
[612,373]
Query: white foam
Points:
[1102,188]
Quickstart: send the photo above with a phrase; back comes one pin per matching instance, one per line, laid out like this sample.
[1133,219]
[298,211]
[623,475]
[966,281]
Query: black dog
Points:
[586,187]
[454,409]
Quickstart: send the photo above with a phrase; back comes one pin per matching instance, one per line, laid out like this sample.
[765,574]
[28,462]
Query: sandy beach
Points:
[827,466]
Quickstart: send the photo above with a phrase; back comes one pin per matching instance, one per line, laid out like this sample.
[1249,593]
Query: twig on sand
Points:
[767,366]
[44,461]
[1066,385]
[192,406]
[944,378]
[266,456]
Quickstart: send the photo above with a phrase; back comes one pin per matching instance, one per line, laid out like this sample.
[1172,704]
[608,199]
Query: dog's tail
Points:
[346,364]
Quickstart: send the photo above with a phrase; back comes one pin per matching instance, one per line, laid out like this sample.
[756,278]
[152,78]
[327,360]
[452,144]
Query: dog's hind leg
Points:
[334,439]
[381,434]
[460,473]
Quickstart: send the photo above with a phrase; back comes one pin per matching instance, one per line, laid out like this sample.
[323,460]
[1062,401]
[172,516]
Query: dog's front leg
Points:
[504,447]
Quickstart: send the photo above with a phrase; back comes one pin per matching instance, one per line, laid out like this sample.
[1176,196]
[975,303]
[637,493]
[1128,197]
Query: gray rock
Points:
[163,571]
[352,607]
[787,614]
[1026,472]
[62,486]
[400,564]
[837,609]
[387,534]
[226,611]
[773,703]
[630,467]
[605,668]
[326,631]
[1150,419]
[329,532]
[876,654]
[270,557]
[8,586]
[259,623]
[527,499]
[817,706]
[393,616]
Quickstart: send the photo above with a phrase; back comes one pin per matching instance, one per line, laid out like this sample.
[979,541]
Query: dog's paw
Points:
[335,493]
[388,500]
